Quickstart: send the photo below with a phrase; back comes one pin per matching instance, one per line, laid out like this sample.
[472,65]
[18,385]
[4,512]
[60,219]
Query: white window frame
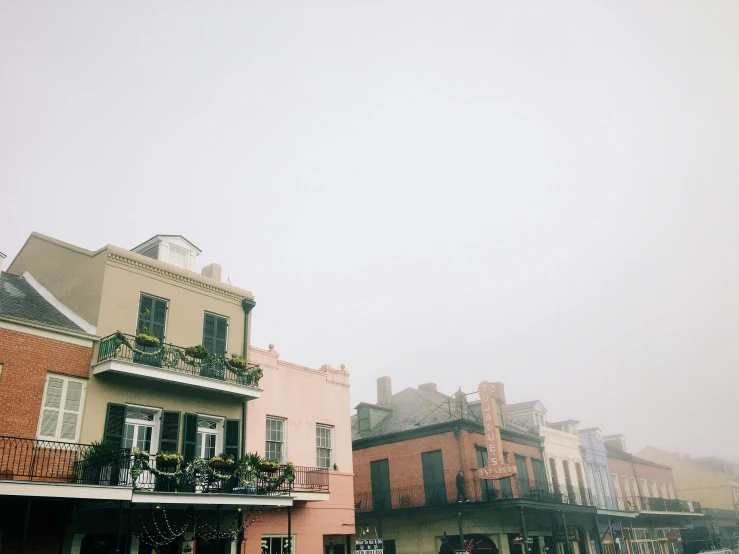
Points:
[644,488]
[333,444]
[284,438]
[293,543]
[654,490]
[171,250]
[220,423]
[66,380]
[156,421]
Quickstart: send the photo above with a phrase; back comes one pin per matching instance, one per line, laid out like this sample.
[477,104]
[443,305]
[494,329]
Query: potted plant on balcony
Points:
[221,462]
[199,352]
[144,339]
[168,460]
[96,463]
[236,361]
[268,466]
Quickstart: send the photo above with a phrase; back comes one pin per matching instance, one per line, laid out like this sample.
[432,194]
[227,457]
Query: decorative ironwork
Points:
[120,346]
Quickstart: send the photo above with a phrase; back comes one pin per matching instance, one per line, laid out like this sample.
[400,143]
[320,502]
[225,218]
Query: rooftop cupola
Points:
[172,249]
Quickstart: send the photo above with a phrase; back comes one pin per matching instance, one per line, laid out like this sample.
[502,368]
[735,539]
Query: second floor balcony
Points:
[657,505]
[475,491]
[58,463]
[120,353]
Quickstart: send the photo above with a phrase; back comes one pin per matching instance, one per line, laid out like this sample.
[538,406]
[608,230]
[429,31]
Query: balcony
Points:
[69,468]
[661,505]
[119,353]
[477,491]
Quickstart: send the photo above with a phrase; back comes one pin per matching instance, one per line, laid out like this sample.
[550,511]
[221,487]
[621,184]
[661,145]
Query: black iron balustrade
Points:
[476,490]
[169,357]
[60,462]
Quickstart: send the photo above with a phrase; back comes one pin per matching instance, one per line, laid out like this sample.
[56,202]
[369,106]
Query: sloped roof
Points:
[18,299]
[612,452]
[165,237]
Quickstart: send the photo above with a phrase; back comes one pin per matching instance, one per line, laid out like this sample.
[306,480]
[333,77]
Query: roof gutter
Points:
[49,328]
[248,305]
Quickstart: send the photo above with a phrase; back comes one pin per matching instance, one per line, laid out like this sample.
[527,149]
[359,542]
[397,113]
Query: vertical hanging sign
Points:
[496,468]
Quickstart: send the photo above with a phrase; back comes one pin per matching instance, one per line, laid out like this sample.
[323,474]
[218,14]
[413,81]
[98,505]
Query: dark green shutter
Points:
[231,438]
[190,437]
[522,476]
[144,323]
[170,432]
[540,474]
[215,331]
[156,321]
[115,421]
[380,480]
[433,477]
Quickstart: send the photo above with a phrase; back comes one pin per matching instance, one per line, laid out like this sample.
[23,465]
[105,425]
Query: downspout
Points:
[248,304]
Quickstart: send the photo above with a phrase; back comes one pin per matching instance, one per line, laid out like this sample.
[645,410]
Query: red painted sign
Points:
[673,537]
[496,468]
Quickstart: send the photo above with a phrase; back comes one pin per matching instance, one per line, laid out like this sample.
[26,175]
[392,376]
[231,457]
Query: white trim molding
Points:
[142,497]
[64,490]
[147,372]
[307,496]
[51,299]
[45,332]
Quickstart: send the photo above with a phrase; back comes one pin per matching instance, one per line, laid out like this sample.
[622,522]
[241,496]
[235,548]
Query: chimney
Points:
[616,441]
[428,387]
[384,390]
[212,271]
[460,404]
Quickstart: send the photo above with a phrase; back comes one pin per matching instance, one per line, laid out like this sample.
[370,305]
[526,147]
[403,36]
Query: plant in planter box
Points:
[239,362]
[198,352]
[221,462]
[168,460]
[96,463]
[268,466]
[143,339]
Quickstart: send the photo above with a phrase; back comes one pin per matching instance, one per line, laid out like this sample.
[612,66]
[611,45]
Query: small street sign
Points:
[368,546]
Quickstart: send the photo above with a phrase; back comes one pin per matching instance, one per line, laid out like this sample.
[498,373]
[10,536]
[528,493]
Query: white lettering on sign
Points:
[496,468]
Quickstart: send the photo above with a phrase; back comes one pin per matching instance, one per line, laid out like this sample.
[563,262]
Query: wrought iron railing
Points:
[58,462]
[476,490]
[645,504]
[120,346]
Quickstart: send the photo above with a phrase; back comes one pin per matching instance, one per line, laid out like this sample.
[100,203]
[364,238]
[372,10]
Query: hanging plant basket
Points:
[269,467]
[198,352]
[237,362]
[142,339]
[220,462]
[166,460]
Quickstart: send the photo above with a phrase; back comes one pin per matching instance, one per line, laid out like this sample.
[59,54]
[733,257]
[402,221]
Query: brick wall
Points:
[26,360]
[623,468]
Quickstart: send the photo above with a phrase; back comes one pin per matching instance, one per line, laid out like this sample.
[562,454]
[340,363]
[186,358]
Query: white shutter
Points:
[60,416]
[52,403]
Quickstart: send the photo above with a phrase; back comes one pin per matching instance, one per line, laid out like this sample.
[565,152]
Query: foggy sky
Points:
[539,193]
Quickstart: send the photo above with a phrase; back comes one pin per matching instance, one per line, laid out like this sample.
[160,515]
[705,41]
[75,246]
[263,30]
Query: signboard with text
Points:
[496,468]
[368,546]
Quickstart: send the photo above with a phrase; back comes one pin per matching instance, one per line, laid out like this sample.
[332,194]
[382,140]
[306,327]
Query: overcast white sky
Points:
[540,193]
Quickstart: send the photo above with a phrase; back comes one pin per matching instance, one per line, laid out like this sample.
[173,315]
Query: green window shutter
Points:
[169,435]
[231,437]
[159,318]
[221,333]
[115,421]
[146,306]
[190,437]
[209,333]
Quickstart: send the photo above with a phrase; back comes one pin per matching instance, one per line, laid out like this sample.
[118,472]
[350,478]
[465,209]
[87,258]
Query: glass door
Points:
[139,432]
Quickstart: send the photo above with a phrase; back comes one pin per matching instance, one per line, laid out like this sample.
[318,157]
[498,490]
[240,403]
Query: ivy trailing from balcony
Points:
[196,357]
[247,471]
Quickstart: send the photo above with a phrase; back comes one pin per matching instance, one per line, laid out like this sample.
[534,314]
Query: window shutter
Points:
[169,435]
[231,438]
[209,333]
[220,338]
[115,421]
[71,412]
[158,318]
[52,407]
[190,437]
[144,323]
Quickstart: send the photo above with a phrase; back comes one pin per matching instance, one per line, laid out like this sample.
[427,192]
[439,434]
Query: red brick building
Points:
[45,354]
[409,448]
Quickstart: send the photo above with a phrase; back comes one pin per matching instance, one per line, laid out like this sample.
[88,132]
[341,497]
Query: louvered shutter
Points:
[209,333]
[144,323]
[190,437]
[159,318]
[72,408]
[115,421]
[52,407]
[170,432]
[231,437]
[221,333]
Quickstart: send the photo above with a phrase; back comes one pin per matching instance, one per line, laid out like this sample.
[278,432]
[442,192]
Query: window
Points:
[61,408]
[152,318]
[670,491]
[363,418]
[138,431]
[215,333]
[617,489]
[324,445]
[206,443]
[540,474]
[275,447]
[644,492]
[637,499]
[654,489]
[662,491]
[178,257]
[380,482]
[278,544]
[553,471]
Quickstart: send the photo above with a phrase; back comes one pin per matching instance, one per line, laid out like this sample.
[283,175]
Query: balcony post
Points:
[461,528]
[25,526]
[120,524]
[599,543]
[290,530]
[567,534]
[524,533]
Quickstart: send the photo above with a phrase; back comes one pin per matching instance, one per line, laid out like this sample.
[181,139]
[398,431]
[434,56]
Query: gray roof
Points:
[522,405]
[413,409]
[18,299]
